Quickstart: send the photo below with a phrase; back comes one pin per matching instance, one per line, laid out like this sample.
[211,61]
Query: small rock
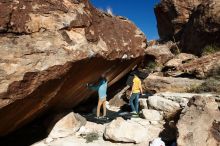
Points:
[152,115]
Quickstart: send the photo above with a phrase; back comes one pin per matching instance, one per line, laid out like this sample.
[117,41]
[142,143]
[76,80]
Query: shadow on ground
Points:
[124,112]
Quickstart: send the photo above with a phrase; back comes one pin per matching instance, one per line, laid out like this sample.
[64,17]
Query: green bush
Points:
[151,65]
[210,49]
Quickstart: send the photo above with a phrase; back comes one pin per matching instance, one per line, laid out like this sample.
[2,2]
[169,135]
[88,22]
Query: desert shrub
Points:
[151,65]
[211,84]
[215,73]
[210,49]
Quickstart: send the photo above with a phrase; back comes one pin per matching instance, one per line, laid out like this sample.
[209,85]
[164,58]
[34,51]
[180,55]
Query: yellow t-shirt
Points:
[136,85]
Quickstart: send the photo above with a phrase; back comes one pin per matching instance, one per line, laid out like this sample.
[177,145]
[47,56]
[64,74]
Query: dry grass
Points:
[210,49]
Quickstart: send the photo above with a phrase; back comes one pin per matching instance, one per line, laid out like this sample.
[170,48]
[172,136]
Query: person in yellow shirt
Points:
[135,93]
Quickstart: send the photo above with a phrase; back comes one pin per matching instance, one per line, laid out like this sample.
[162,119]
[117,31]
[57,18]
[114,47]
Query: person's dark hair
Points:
[139,74]
[103,77]
[134,72]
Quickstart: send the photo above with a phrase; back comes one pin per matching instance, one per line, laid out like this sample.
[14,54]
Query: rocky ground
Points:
[155,121]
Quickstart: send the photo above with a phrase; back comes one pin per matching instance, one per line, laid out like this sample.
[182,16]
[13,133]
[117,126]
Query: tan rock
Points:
[169,107]
[152,115]
[169,84]
[64,125]
[198,123]
[161,52]
[181,98]
[120,130]
[180,59]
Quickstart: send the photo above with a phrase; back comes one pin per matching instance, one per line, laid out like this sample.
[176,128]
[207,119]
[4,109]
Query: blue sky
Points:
[141,12]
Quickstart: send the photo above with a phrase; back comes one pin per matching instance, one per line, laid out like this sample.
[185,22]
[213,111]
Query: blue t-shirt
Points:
[101,88]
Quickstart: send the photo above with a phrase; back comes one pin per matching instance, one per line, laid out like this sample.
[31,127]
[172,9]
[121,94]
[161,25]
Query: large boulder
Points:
[169,107]
[193,23]
[161,52]
[120,130]
[203,28]
[169,84]
[63,125]
[181,98]
[51,49]
[172,15]
[199,123]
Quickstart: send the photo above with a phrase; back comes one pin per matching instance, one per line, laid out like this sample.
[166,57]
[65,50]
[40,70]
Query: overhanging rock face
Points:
[51,48]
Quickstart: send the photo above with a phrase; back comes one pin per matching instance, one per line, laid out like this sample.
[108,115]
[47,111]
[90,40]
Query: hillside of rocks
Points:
[49,51]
